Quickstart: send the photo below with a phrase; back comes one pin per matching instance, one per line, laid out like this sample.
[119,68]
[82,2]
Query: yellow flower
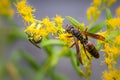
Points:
[108,61]
[118,11]
[117,39]
[65,37]
[59,23]
[35,31]
[25,11]
[6,8]
[113,23]
[30,30]
[96,3]
[108,49]
[42,32]
[111,75]
[93,13]
[59,19]
[46,22]
[110,2]
[52,29]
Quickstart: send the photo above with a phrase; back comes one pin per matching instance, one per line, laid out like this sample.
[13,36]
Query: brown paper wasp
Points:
[87,45]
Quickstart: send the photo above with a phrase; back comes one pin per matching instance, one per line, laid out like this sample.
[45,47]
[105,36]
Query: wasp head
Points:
[69,28]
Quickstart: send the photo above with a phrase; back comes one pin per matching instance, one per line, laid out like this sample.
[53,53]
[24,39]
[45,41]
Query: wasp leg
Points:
[85,33]
[78,50]
[34,43]
[72,45]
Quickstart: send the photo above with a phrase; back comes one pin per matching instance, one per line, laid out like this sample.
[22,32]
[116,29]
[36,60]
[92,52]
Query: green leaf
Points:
[76,67]
[97,27]
[98,45]
[75,23]
[108,14]
[112,35]
[51,42]
[30,60]
[57,76]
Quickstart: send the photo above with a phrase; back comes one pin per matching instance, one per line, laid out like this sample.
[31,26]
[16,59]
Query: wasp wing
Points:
[96,36]
[78,50]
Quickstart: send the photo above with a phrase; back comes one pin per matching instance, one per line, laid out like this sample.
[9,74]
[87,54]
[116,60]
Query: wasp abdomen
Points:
[92,50]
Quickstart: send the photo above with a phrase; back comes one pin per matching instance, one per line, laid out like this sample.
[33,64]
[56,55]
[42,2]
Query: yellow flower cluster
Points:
[97,2]
[65,37]
[40,28]
[112,53]
[111,75]
[109,2]
[118,12]
[94,11]
[5,8]
[25,11]
[117,39]
[113,23]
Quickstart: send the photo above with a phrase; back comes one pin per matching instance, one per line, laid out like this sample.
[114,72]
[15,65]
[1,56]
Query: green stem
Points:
[78,70]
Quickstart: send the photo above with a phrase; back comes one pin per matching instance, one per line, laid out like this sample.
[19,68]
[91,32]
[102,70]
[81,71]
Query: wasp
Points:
[87,45]
[34,42]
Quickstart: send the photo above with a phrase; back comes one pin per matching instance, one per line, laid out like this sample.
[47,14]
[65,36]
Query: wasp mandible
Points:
[87,45]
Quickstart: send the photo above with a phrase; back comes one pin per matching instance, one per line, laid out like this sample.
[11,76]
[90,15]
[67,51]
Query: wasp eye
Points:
[69,28]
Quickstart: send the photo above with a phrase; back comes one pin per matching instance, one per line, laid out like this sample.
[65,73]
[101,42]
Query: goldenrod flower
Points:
[46,22]
[108,61]
[36,32]
[42,32]
[108,49]
[117,11]
[59,19]
[93,13]
[97,3]
[25,11]
[6,8]
[113,23]
[111,75]
[52,28]
[110,2]
[117,39]
[65,37]
[30,30]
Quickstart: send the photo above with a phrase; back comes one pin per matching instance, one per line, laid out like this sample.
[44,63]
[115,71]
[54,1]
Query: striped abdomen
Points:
[91,49]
